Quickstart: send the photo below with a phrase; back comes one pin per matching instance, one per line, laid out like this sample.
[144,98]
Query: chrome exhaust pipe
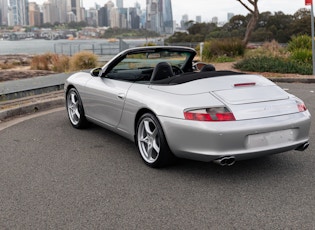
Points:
[303,146]
[225,161]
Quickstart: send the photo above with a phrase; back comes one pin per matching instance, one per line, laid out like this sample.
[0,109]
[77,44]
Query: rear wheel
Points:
[151,142]
[75,109]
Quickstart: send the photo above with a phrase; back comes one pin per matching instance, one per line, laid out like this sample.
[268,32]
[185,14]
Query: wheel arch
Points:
[138,116]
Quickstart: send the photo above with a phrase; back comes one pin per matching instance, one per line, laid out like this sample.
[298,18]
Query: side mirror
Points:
[96,72]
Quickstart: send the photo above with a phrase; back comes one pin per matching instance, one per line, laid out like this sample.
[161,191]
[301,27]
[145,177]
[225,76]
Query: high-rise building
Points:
[74,11]
[198,19]
[103,17]
[3,12]
[50,12]
[159,16]
[229,16]
[34,14]
[19,11]
[120,3]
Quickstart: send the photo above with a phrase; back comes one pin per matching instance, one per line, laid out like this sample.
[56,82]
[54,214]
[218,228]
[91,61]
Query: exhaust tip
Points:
[303,147]
[225,161]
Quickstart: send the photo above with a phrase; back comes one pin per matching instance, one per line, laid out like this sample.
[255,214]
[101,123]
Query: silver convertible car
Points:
[171,106]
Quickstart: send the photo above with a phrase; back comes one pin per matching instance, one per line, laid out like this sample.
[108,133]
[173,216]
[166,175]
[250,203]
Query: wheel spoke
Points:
[148,128]
[77,113]
[73,100]
[156,147]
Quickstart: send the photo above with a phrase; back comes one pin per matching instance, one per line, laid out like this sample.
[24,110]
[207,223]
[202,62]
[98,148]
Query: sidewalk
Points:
[26,96]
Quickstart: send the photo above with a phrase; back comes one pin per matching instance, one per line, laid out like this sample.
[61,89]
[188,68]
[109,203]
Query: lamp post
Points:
[307,3]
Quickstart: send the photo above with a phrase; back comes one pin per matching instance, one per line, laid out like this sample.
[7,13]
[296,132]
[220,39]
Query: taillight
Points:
[210,114]
[301,106]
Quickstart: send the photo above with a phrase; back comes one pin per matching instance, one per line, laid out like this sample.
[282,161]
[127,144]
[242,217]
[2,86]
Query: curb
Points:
[31,105]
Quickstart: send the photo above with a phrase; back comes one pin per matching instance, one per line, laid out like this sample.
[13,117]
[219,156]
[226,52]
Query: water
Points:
[69,47]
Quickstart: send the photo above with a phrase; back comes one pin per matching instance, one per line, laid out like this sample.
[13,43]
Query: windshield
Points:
[151,59]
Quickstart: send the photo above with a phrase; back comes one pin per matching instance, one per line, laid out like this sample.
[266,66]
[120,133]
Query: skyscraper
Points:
[74,10]
[34,14]
[120,3]
[19,10]
[3,12]
[159,16]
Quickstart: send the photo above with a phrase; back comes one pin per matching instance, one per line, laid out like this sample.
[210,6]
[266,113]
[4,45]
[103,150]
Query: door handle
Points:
[121,96]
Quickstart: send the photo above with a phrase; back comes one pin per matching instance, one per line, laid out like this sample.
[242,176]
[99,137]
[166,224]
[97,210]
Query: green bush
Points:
[83,60]
[300,42]
[302,56]
[273,64]
[220,48]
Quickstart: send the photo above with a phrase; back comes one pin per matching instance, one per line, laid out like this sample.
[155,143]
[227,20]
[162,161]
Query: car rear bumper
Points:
[208,141]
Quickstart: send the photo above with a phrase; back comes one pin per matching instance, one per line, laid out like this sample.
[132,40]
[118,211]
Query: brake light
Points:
[301,106]
[245,84]
[210,114]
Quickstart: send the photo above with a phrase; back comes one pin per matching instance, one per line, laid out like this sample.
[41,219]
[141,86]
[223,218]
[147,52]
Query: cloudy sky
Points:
[208,9]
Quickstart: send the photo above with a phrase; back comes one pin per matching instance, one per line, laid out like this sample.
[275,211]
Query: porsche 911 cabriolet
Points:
[173,107]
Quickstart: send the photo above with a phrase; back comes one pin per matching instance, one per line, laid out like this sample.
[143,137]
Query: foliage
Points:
[268,49]
[270,26]
[50,61]
[300,42]
[83,60]
[301,49]
[223,48]
[302,56]
[42,62]
[273,64]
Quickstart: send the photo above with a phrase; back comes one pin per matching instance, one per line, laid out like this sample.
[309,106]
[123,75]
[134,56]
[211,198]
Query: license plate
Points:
[271,138]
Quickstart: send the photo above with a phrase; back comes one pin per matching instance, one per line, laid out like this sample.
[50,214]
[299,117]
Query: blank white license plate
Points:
[271,138]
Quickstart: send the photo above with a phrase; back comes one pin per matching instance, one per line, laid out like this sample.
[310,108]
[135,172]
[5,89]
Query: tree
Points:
[252,7]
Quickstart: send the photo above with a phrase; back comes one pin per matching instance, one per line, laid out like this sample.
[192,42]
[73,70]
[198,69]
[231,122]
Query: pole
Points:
[313,35]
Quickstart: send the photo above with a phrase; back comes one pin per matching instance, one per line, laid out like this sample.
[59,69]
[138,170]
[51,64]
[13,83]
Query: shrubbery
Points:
[83,60]
[273,64]
[218,49]
[271,57]
[62,63]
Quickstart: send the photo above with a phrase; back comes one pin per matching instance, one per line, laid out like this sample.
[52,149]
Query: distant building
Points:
[120,3]
[50,12]
[229,16]
[183,22]
[34,14]
[19,12]
[3,12]
[103,18]
[198,19]
[215,20]
[159,16]
[74,10]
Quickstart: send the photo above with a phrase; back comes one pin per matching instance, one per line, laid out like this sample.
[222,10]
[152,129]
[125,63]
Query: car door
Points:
[104,99]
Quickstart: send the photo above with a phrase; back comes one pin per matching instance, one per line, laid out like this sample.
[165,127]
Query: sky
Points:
[208,9]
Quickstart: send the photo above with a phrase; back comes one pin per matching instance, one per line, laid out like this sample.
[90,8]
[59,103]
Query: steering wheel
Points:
[177,70]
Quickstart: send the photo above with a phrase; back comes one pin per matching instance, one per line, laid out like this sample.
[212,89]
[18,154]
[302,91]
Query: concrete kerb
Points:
[27,96]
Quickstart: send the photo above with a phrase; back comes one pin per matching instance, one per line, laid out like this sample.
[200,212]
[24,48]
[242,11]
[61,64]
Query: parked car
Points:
[172,107]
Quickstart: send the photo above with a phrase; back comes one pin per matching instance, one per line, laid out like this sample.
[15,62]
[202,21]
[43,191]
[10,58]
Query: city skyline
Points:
[209,9]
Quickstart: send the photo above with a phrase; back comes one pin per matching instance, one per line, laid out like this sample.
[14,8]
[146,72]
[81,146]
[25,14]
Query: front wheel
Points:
[151,142]
[75,109]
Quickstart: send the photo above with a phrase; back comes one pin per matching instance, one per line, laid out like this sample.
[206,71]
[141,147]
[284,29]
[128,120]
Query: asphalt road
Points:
[55,177]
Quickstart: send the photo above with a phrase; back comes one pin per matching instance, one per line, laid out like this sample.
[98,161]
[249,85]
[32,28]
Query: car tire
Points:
[75,109]
[151,142]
